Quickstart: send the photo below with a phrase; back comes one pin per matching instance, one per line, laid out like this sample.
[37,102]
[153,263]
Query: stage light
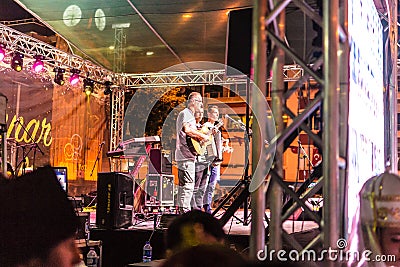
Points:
[74,79]
[108,89]
[59,76]
[17,61]
[2,52]
[88,86]
[38,64]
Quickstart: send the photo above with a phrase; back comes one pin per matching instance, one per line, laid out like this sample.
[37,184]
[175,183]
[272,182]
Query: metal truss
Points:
[30,47]
[119,49]
[333,170]
[291,73]
[184,78]
[197,77]
[117,118]
[16,41]
[280,213]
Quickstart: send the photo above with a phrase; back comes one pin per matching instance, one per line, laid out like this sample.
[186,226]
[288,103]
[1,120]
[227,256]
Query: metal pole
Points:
[393,87]
[331,123]
[257,237]
[343,116]
[275,238]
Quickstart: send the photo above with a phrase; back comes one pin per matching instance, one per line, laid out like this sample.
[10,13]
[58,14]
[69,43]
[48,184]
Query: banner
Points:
[56,125]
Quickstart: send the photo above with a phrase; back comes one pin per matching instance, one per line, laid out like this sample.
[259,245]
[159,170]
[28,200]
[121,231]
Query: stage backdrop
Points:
[68,127]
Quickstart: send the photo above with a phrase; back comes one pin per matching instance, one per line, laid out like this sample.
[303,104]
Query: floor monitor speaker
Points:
[114,200]
[160,162]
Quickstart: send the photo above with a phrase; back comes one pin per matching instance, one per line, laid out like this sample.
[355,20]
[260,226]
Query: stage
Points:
[125,246]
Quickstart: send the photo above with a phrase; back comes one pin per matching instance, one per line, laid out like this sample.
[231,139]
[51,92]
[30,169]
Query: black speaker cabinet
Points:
[239,41]
[159,190]
[160,162]
[114,200]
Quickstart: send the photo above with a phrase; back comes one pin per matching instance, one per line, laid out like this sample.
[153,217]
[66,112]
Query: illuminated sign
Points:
[366,114]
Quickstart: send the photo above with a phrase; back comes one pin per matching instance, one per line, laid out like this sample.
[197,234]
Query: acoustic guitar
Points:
[201,147]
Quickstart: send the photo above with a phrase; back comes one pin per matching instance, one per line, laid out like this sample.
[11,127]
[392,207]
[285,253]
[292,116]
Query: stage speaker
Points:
[159,190]
[84,221]
[238,45]
[114,200]
[160,161]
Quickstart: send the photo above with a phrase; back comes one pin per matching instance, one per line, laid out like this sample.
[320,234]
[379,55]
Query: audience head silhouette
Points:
[38,222]
[191,229]
[206,255]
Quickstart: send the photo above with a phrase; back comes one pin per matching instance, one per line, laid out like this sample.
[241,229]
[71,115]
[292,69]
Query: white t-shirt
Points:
[182,151]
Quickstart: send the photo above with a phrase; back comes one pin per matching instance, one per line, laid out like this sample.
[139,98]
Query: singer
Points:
[186,127]
[215,166]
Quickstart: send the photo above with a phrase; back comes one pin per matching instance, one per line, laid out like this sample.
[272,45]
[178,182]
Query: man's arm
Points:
[189,131]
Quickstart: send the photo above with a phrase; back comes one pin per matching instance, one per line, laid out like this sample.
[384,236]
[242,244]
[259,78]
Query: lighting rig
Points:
[17,64]
[23,52]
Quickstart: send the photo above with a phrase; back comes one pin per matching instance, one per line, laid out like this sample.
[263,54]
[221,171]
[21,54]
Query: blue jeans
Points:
[212,181]
[200,184]
[186,177]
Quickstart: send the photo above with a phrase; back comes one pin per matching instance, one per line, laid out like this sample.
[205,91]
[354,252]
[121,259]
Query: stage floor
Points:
[125,246]
[235,225]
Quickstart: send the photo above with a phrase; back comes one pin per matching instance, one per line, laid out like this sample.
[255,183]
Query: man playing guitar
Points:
[185,158]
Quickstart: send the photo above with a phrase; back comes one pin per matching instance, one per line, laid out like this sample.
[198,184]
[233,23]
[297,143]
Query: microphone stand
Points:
[305,153]
[239,192]
[97,158]
[34,146]
[238,123]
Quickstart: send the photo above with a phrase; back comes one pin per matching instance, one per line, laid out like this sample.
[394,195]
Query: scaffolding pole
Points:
[275,197]
[331,124]
[257,238]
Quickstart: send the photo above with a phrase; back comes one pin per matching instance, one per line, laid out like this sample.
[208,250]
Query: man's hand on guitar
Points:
[204,138]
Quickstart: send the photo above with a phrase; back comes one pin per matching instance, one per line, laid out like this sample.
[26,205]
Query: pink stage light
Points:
[74,78]
[2,52]
[38,64]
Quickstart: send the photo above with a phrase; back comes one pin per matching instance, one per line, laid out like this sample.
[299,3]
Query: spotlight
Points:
[17,61]
[108,90]
[2,52]
[59,76]
[88,86]
[38,64]
[74,79]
